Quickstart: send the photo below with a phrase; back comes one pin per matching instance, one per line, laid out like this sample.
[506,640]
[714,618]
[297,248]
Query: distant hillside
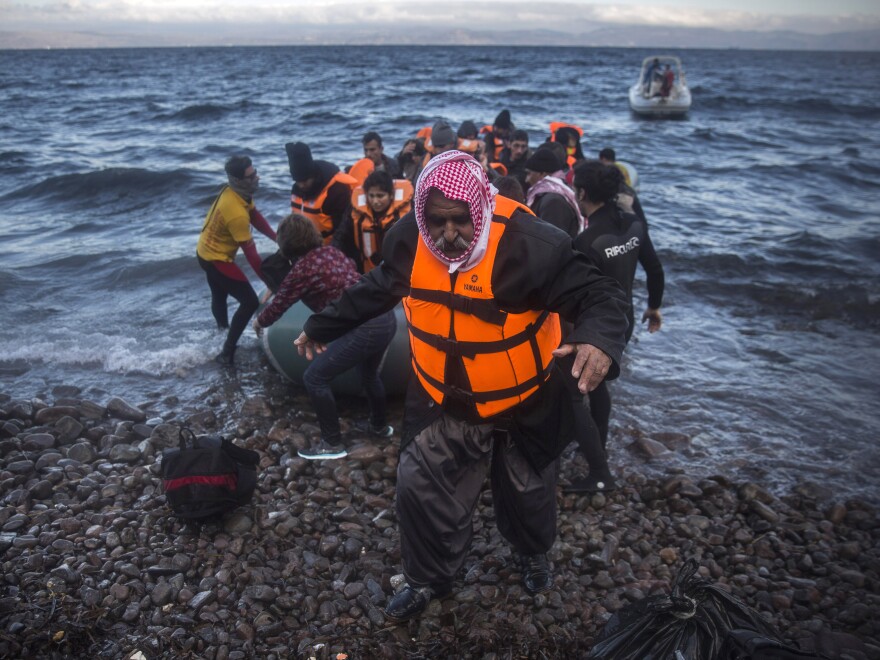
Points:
[611,36]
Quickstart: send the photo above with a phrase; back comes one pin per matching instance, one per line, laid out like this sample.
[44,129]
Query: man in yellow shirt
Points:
[227,227]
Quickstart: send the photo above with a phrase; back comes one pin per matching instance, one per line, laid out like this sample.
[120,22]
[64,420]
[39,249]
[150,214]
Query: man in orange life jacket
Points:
[481,281]
[320,191]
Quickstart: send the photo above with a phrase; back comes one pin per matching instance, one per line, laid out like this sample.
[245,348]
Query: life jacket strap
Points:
[474,398]
[471,349]
[483,309]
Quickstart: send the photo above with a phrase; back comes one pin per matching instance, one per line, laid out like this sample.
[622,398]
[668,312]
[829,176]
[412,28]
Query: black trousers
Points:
[221,288]
[439,478]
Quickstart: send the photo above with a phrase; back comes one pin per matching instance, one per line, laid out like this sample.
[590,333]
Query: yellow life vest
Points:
[313,208]
[506,356]
[368,231]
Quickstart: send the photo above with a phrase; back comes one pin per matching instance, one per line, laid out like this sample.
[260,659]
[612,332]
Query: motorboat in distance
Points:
[661,90]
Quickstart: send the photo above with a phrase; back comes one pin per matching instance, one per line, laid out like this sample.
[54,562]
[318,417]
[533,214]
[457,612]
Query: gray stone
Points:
[89,597]
[120,409]
[124,454]
[83,452]
[261,592]
[256,406]
[49,459]
[42,490]
[52,414]
[92,410]
[162,594]
[165,435]
[38,442]
[68,430]
[132,612]
[201,599]
[21,467]
[237,523]
[651,448]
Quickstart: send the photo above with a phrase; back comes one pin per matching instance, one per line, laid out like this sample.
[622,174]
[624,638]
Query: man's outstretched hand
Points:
[591,364]
[307,347]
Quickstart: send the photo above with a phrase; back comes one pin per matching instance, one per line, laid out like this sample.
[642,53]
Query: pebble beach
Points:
[95,564]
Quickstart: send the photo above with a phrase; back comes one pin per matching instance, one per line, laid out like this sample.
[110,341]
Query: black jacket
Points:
[338,196]
[554,208]
[616,241]
[535,269]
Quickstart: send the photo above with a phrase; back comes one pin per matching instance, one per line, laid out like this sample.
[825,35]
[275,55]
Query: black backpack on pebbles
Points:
[207,476]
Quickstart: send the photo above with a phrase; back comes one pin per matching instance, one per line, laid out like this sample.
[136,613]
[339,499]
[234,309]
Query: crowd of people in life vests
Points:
[510,359]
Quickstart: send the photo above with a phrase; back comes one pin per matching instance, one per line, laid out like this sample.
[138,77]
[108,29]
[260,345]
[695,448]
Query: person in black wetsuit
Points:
[615,241]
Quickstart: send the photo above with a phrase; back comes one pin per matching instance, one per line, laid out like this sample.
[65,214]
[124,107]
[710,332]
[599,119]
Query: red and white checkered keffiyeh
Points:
[458,176]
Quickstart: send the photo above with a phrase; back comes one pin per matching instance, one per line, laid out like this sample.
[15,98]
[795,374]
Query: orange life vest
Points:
[368,232]
[493,150]
[361,170]
[506,356]
[313,208]
[555,126]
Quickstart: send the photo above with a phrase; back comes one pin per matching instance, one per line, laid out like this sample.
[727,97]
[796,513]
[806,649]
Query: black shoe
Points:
[323,450]
[374,431]
[225,358]
[407,603]
[536,575]
[591,484]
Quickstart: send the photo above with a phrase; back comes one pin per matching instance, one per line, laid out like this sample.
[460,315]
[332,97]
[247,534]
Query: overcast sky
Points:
[811,16]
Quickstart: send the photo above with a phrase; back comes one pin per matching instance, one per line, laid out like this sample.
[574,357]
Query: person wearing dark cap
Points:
[468,130]
[227,228]
[497,136]
[442,139]
[320,191]
[548,196]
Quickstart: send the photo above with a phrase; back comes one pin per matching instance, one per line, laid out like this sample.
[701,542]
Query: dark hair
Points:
[608,154]
[236,166]
[510,187]
[370,136]
[562,136]
[519,135]
[296,236]
[379,179]
[599,181]
[560,152]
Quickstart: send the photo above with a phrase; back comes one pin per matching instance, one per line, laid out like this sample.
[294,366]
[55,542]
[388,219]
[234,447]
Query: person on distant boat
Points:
[482,283]
[548,196]
[615,241]
[320,191]
[497,135]
[627,198]
[319,275]
[410,159]
[515,155]
[375,207]
[650,72]
[668,80]
[227,228]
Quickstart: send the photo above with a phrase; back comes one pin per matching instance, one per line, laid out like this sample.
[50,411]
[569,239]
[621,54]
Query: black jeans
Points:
[221,288]
[363,348]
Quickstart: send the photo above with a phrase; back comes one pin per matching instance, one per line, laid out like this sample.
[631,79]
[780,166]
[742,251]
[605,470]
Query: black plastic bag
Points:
[697,621]
[207,476]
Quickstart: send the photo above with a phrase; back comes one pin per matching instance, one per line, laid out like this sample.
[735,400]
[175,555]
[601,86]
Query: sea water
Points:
[764,205]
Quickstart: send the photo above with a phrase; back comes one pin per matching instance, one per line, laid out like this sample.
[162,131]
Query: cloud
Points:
[579,16]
